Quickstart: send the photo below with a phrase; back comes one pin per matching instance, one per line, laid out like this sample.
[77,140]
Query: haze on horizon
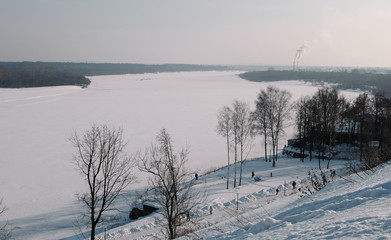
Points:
[226,32]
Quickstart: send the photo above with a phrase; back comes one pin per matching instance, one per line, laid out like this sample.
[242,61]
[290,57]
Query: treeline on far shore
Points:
[353,79]
[40,74]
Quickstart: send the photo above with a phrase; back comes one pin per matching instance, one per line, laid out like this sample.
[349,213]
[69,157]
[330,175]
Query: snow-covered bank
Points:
[254,199]
[342,210]
[356,209]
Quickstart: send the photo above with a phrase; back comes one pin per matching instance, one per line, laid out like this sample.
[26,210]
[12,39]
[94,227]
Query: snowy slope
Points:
[333,212]
[342,210]
[359,208]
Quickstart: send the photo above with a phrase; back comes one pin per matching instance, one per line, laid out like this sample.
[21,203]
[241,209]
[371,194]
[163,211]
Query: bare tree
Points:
[106,167]
[170,183]
[272,112]
[260,120]
[362,104]
[282,115]
[302,123]
[382,130]
[5,232]
[235,135]
[242,116]
[224,129]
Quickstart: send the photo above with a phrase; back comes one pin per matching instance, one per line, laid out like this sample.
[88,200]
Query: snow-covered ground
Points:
[349,207]
[37,177]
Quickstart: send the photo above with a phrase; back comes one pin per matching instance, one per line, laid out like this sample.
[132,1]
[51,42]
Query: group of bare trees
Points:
[106,167]
[317,119]
[328,118]
[234,123]
[270,118]
[238,125]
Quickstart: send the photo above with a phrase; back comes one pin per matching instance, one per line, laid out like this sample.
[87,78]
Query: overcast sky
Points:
[334,32]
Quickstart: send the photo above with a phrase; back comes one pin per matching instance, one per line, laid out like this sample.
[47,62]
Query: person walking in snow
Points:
[210,210]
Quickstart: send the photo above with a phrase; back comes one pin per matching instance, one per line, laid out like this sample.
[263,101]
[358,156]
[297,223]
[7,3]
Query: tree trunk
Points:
[93,227]
[301,140]
[265,147]
[171,229]
[241,165]
[311,145]
[274,148]
[236,160]
[228,161]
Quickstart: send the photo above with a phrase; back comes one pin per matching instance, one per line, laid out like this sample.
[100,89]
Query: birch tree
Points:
[260,120]
[224,128]
[242,116]
[283,111]
[272,113]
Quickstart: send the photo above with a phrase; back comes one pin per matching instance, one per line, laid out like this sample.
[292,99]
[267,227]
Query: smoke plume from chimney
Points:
[299,52]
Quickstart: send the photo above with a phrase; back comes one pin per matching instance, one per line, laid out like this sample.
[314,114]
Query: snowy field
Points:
[37,177]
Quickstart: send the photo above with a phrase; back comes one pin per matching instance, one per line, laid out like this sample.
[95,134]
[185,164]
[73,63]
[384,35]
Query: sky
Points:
[224,32]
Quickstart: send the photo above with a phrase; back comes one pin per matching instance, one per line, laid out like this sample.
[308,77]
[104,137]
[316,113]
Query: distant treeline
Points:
[39,74]
[29,74]
[355,79]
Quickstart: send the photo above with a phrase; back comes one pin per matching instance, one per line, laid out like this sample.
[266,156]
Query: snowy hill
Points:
[357,210]
[349,207]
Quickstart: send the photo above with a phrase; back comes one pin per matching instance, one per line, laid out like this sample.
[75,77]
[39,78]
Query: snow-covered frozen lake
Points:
[37,175]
